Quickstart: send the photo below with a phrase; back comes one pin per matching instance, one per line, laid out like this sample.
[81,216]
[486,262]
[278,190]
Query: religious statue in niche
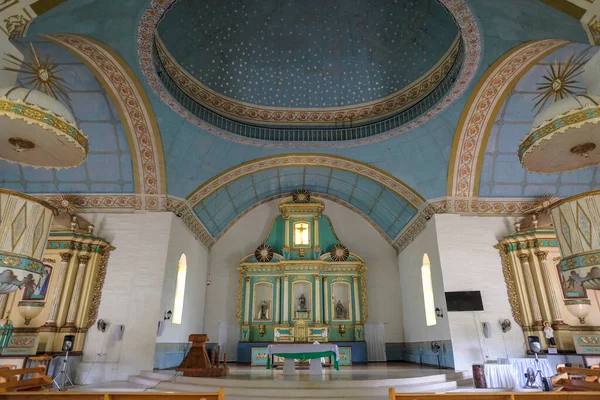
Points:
[340,311]
[302,303]
[263,310]
[549,333]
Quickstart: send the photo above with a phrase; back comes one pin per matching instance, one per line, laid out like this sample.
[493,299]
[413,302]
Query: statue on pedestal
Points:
[263,310]
[549,333]
[340,310]
[302,303]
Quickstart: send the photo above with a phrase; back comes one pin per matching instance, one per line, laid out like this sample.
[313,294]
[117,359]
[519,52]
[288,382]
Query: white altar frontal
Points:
[314,352]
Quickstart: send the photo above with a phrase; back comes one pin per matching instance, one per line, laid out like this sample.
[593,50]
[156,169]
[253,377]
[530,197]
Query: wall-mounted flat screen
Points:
[464,301]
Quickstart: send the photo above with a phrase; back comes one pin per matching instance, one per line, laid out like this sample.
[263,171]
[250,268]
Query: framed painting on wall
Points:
[38,292]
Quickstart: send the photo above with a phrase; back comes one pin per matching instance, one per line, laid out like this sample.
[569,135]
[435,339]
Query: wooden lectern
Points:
[197,362]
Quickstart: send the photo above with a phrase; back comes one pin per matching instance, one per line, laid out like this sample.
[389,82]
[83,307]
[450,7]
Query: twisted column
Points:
[83,260]
[535,306]
[554,308]
[58,289]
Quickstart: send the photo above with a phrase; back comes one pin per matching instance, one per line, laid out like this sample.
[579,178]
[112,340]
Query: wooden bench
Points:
[492,396]
[220,395]
[576,379]
[9,379]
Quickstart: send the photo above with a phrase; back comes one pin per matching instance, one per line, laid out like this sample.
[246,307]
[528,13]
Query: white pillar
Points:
[356,300]
[554,308]
[247,310]
[278,301]
[58,289]
[83,260]
[285,299]
[326,300]
[535,306]
[317,299]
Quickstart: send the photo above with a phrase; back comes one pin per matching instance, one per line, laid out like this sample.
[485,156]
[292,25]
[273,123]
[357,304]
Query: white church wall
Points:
[173,343]
[469,261]
[132,293]
[384,301]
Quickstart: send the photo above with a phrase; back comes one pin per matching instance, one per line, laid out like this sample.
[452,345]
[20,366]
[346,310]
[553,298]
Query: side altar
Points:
[301,285]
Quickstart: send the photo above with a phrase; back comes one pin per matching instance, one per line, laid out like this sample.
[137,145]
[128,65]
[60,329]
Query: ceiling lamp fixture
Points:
[564,135]
[37,129]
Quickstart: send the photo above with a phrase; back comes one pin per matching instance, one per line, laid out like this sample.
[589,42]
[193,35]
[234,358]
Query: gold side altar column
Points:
[325,300]
[58,290]
[287,231]
[278,301]
[83,260]
[317,299]
[247,310]
[550,290]
[356,300]
[535,306]
[285,298]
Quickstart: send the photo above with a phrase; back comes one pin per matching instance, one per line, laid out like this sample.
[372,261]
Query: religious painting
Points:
[341,303]
[345,356]
[571,284]
[302,297]
[263,302]
[31,291]
[259,356]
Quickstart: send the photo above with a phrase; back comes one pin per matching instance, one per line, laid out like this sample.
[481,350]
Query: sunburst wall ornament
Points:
[39,73]
[339,252]
[301,196]
[560,81]
[264,253]
[68,203]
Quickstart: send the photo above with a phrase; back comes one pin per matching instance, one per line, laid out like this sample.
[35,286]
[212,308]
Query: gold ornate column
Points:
[535,306]
[58,290]
[317,299]
[550,291]
[278,301]
[325,300]
[357,312]
[316,229]
[83,260]
[247,310]
[285,298]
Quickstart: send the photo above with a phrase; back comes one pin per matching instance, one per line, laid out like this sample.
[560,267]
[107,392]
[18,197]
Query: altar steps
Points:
[263,387]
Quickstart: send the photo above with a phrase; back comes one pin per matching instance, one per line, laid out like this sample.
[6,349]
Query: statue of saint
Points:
[340,310]
[302,303]
[549,333]
[263,310]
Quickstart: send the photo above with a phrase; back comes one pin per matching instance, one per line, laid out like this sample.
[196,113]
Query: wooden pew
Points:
[10,379]
[564,380]
[220,395]
[493,396]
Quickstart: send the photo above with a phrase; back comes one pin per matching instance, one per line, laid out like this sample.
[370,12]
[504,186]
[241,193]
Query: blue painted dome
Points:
[307,62]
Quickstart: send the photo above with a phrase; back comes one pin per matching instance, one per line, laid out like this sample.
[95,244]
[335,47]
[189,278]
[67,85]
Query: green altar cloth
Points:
[306,356]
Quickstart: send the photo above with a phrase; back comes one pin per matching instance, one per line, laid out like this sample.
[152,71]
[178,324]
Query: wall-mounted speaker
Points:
[68,342]
[534,344]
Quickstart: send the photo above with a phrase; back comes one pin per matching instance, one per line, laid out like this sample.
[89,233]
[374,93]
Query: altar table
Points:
[512,375]
[312,352]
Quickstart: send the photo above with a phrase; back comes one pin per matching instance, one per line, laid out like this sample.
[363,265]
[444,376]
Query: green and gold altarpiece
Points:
[302,284]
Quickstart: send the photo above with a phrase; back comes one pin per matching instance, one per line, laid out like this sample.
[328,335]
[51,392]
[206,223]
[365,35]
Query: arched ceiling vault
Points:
[386,201]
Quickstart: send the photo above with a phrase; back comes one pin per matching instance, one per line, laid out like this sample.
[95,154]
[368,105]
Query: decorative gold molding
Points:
[98,285]
[511,285]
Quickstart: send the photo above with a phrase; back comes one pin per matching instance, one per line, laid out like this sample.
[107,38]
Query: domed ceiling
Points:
[327,65]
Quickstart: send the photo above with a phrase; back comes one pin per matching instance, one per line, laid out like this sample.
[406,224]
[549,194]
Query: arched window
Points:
[179,290]
[430,317]
[301,234]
